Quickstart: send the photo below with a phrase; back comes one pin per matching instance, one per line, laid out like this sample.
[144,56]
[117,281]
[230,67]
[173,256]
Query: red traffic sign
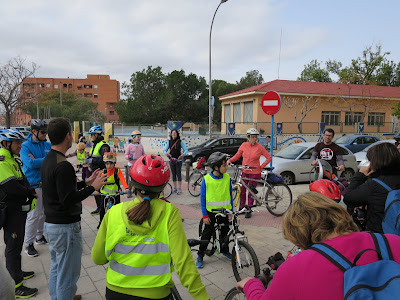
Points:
[271,103]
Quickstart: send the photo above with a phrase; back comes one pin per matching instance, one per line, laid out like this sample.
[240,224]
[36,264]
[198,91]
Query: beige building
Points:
[307,104]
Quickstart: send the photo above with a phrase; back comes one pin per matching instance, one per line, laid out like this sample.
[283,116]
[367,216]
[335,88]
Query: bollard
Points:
[188,163]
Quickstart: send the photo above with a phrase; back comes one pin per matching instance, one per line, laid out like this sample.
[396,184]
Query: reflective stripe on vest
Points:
[137,261]
[96,151]
[218,192]
[9,168]
[81,157]
[111,187]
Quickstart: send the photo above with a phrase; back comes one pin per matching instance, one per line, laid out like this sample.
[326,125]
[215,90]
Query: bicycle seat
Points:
[268,168]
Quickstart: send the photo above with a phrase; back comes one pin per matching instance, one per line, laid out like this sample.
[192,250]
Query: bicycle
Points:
[109,200]
[195,180]
[244,259]
[276,196]
[167,191]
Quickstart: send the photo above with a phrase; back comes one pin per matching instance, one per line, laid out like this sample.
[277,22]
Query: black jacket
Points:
[364,191]
[97,162]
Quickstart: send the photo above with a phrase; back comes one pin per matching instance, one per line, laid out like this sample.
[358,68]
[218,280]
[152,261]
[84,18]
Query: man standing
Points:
[33,152]
[96,157]
[62,197]
[329,151]
[17,196]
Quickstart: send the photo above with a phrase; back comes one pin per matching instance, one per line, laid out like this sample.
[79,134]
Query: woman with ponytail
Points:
[140,240]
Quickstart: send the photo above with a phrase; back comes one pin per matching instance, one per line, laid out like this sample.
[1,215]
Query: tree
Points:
[307,103]
[12,74]
[252,78]
[396,110]
[314,72]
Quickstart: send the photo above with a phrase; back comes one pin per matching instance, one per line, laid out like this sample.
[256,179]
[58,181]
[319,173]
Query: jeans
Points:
[65,245]
[35,220]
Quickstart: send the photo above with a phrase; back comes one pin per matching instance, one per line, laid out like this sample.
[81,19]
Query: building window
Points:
[41,85]
[353,118]
[95,86]
[79,87]
[70,85]
[87,86]
[237,113]
[330,117]
[248,112]
[88,95]
[56,86]
[111,112]
[376,119]
[96,96]
[227,113]
[47,85]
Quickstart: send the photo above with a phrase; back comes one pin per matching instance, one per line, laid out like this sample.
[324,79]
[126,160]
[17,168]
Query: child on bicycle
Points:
[216,192]
[115,177]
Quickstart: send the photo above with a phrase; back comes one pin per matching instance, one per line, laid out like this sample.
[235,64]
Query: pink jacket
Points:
[136,149]
[251,157]
[308,275]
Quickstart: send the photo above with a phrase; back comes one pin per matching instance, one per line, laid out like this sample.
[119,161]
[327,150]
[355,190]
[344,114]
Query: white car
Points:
[361,156]
[293,163]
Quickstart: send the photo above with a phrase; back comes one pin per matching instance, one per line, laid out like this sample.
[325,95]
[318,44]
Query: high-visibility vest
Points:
[111,187]
[96,151]
[9,168]
[81,157]
[137,261]
[218,192]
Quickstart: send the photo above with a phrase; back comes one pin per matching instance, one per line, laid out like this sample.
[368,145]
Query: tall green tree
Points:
[314,72]
[252,78]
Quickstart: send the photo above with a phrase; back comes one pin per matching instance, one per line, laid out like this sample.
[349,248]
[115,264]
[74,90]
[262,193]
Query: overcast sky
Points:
[119,37]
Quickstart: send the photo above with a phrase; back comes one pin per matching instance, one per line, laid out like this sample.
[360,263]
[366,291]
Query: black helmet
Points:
[38,124]
[397,136]
[216,159]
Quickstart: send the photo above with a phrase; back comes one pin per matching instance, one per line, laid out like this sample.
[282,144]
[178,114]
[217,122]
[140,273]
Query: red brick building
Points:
[98,88]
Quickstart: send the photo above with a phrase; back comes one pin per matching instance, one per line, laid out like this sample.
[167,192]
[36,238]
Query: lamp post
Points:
[210,112]
[60,93]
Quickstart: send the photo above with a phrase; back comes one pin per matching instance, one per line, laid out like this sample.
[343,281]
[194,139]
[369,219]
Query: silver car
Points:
[294,163]
[361,156]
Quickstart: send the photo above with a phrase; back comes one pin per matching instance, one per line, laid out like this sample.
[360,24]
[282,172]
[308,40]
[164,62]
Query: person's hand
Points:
[314,163]
[31,155]
[169,155]
[207,221]
[89,180]
[180,157]
[366,170]
[340,168]
[126,191]
[240,284]
[230,217]
[99,181]
[35,195]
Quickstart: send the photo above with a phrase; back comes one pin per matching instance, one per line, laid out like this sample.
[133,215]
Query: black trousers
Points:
[209,229]
[176,170]
[98,200]
[111,295]
[14,234]
[102,204]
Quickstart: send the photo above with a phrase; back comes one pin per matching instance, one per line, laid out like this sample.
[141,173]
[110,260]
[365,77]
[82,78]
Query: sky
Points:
[120,37]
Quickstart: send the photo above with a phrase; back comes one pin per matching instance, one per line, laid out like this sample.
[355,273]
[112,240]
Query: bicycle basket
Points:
[274,178]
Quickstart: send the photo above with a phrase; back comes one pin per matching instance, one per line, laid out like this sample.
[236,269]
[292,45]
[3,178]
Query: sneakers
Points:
[227,255]
[199,262]
[31,251]
[41,241]
[24,292]
[179,191]
[175,191]
[248,215]
[95,212]
[28,275]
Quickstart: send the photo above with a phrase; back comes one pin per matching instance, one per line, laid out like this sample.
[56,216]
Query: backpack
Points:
[391,217]
[377,280]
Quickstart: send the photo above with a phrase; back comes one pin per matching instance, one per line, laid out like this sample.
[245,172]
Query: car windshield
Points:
[291,152]
[344,140]
[207,143]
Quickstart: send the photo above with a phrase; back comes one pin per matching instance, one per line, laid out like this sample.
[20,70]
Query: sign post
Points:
[270,104]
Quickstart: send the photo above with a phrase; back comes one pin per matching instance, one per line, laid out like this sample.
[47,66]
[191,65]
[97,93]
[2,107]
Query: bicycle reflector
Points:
[110,156]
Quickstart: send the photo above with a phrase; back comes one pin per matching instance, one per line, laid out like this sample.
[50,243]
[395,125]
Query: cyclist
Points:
[95,158]
[33,152]
[251,151]
[82,156]
[115,177]
[133,151]
[314,218]
[397,138]
[140,239]
[216,192]
[14,191]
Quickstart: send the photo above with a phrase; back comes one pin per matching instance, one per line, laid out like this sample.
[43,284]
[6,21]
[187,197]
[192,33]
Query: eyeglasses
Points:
[43,131]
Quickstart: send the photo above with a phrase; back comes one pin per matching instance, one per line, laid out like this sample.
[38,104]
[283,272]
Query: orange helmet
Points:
[110,156]
[135,133]
[327,188]
[80,146]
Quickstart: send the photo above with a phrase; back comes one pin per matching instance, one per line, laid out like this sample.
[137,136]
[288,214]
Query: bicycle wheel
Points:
[234,294]
[175,294]
[210,248]
[194,183]
[236,191]
[249,265]
[278,199]
[167,191]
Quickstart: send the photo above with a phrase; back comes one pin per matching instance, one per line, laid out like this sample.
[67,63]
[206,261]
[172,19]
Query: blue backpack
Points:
[391,217]
[377,280]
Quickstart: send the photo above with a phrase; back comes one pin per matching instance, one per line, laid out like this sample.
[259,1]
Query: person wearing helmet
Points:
[115,177]
[215,192]
[95,158]
[33,152]
[251,151]
[150,231]
[14,192]
[82,158]
[132,152]
[397,138]
[327,188]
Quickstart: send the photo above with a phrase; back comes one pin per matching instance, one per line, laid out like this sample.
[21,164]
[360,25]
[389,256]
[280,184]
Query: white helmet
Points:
[252,131]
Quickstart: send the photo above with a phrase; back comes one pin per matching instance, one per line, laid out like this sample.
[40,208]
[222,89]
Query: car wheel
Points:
[288,178]
[347,174]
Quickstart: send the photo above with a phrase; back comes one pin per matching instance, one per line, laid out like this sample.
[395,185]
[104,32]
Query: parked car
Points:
[25,133]
[361,156]
[228,145]
[293,163]
[356,142]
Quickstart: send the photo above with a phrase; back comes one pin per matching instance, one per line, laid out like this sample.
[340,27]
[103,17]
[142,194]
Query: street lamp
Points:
[210,112]
[60,93]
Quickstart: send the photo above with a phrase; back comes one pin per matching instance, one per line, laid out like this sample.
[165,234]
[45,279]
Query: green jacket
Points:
[181,254]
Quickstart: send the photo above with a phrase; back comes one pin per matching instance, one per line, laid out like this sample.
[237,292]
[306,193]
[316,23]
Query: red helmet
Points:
[150,173]
[327,188]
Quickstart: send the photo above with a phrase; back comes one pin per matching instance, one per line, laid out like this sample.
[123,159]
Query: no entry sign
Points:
[271,103]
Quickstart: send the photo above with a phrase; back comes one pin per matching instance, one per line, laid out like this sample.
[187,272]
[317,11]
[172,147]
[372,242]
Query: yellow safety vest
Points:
[96,151]
[111,188]
[218,192]
[137,261]
[9,168]
[81,157]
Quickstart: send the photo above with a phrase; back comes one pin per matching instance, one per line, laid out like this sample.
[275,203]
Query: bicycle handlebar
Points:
[225,211]
[194,242]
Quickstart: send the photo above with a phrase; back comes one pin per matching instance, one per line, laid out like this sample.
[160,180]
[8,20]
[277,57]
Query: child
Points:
[115,177]
[216,192]
[132,153]
[82,156]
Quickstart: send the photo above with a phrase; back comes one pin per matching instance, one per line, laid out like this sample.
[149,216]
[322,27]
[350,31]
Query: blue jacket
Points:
[32,166]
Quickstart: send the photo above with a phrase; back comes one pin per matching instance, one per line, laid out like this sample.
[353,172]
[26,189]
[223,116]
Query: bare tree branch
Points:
[308,103]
